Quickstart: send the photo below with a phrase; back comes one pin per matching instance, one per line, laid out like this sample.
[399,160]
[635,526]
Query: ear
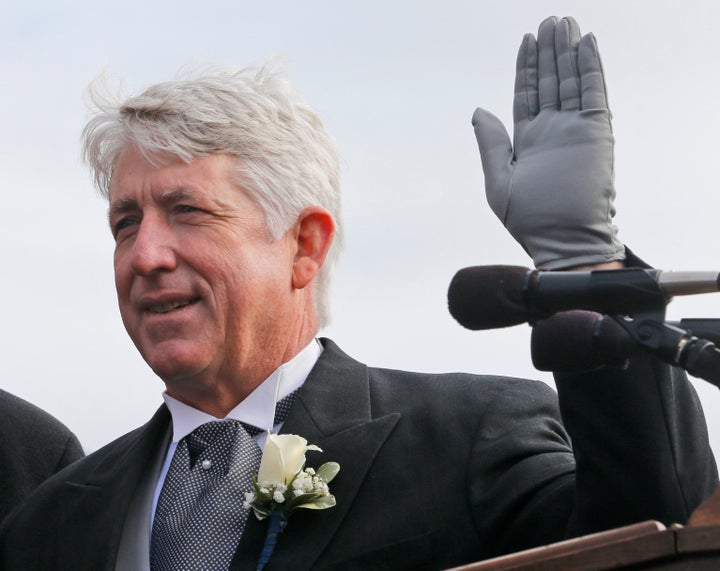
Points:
[314,232]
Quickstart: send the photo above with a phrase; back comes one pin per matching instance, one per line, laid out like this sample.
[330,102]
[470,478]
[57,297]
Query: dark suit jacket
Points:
[436,470]
[33,446]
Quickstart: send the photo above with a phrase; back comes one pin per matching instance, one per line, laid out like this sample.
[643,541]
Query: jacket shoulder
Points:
[21,420]
[35,445]
[460,390]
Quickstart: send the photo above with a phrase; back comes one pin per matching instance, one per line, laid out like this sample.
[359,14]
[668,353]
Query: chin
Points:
[173,366]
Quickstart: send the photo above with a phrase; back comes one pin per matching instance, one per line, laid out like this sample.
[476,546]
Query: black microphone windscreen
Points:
[488,297]
[578,341]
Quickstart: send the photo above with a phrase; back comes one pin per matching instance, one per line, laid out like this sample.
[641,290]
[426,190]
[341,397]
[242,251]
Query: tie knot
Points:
[211,440]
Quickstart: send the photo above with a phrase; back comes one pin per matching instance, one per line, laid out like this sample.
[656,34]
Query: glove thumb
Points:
[496,153]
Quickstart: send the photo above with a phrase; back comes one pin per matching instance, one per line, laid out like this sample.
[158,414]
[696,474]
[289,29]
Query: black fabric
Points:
[33,446]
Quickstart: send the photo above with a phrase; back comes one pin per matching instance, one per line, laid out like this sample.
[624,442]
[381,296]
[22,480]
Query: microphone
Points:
[582,340]
[488,297]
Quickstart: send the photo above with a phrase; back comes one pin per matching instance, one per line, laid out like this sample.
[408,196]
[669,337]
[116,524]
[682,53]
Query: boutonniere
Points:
[284,485]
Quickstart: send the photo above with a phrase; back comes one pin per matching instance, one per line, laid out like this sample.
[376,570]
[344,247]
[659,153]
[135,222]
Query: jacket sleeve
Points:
[626,445]
[640,443]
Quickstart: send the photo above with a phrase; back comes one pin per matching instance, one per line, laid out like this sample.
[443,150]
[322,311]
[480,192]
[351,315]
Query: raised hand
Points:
[553,188]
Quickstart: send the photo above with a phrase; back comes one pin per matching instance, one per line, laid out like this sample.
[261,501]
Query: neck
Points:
[221,393]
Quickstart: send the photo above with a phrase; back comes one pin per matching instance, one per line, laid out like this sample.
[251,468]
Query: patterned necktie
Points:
[200,517]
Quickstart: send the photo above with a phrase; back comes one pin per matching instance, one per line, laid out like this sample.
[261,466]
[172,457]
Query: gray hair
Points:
[286,159]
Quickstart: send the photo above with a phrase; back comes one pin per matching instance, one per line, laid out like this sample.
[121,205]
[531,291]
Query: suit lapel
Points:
[103,496]
[333,411]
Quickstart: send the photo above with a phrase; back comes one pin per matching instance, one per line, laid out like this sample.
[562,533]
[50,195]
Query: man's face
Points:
[203,292]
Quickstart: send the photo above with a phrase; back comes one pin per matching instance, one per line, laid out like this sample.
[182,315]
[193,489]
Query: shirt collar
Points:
[258,408]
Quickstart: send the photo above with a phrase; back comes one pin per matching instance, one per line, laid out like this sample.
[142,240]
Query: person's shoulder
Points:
[31,435]
[459,388]
[21,416]
[456,380]
[460,407]
[426,385]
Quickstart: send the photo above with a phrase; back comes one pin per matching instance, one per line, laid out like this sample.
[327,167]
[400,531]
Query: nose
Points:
[153,248]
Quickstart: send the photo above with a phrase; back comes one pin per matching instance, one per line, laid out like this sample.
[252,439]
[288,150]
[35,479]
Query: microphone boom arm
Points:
[672,344]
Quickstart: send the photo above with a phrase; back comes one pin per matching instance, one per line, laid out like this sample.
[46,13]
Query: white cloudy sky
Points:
[396,83]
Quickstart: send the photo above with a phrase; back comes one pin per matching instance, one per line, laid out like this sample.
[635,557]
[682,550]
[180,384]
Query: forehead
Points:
[135,175]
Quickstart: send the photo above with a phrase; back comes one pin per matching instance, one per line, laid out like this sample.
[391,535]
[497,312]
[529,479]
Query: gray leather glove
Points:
[553,189]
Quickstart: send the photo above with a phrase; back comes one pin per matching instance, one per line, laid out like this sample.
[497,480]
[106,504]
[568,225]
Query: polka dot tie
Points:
[200,516]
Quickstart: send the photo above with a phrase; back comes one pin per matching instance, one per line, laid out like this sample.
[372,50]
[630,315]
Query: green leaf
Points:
[298,501]
[321,503]
[310,502]
[328,471]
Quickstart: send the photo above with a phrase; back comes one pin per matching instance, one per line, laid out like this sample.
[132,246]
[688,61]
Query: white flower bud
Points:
[283,457]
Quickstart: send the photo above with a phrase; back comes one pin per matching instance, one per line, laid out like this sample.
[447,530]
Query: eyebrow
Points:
[176,195]
[124,205]
[121,206]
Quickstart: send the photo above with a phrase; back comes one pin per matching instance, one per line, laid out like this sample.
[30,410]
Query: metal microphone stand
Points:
[672,343]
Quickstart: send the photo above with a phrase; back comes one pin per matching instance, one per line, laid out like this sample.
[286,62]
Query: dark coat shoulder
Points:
[35,445]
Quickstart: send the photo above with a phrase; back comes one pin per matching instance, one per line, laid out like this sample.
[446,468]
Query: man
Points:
[34,447]
[224,204]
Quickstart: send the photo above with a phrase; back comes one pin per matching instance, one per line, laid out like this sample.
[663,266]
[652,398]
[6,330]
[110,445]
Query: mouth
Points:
[169,306]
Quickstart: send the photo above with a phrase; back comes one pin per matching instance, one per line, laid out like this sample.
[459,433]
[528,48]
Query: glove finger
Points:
[547,65]
[525,102]
[592,76]
[496,154]
[567,38]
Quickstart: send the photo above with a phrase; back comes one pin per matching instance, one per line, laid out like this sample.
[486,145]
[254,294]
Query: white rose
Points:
[283,457]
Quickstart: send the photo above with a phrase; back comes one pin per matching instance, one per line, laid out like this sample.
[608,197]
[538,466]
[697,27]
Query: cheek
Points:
[249,295]
[123,277]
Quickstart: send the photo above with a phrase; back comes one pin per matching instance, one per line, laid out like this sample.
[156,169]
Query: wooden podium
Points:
[646,545]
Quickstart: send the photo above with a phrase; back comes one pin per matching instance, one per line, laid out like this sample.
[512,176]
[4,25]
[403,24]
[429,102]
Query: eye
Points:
[123,224]
[186,209]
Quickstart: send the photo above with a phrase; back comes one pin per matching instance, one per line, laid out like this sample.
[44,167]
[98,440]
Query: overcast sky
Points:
[396,83]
